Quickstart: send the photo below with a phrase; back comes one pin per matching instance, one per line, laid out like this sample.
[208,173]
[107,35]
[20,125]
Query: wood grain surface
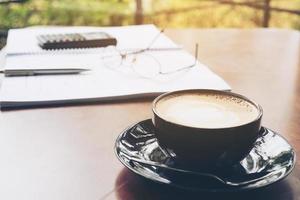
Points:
[67,152]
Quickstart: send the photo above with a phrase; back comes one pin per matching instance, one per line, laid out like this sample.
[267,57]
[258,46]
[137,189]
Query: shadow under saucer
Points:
[133,187]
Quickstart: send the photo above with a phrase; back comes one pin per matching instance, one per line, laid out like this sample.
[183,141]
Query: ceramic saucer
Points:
[270,160]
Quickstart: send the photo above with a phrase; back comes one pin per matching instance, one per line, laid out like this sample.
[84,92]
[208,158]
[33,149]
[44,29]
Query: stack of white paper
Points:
[102,83]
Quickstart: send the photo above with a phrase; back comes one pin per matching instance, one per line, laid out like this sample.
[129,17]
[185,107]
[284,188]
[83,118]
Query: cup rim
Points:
[157,99]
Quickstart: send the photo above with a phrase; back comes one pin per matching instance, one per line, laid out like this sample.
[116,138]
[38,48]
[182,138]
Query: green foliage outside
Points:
[166,13]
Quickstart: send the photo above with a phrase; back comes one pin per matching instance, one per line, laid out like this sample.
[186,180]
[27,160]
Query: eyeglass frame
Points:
[140,51]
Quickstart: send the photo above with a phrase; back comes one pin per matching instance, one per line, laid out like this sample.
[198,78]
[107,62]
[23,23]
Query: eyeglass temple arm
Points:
[196,53]
[155,38]
[150,44]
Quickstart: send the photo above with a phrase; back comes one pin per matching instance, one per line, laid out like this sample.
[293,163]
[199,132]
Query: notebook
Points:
[101,83]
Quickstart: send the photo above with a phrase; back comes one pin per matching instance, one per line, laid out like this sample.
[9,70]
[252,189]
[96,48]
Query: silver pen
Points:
[36,72]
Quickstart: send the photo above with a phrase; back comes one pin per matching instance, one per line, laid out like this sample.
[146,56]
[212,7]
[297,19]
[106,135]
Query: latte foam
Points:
[206,110]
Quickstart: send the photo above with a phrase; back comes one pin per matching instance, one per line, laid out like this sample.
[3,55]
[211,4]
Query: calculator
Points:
[76,40]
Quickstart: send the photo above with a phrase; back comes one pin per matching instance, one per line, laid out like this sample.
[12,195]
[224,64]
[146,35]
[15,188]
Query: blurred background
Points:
[163,13]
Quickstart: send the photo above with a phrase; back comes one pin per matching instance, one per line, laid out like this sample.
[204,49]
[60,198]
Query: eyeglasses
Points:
[142,62]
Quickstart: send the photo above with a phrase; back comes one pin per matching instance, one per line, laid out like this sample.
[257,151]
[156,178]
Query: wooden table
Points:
[67,152]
